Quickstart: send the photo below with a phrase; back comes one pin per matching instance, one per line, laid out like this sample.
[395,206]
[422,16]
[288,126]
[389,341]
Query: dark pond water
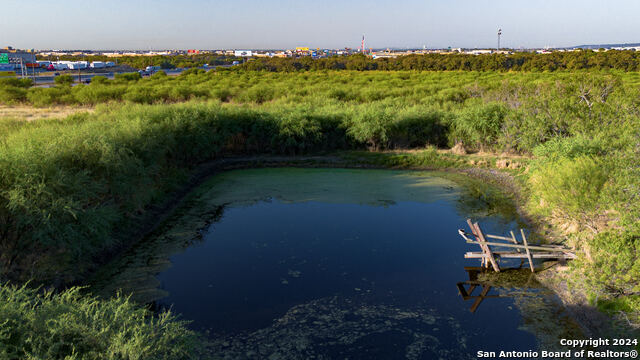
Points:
[326,263]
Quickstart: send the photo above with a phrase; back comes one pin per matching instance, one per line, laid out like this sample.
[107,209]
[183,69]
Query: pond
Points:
[336,263]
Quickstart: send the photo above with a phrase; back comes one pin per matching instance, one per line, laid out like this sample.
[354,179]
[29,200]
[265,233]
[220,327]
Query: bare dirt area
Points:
[30,113]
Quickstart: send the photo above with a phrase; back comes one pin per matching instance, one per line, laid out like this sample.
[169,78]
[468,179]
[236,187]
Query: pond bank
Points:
[589,318]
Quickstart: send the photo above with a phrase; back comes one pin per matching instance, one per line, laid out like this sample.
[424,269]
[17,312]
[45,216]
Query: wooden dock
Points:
[514,249]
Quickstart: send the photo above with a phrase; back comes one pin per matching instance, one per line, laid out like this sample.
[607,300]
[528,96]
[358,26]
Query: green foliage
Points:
[571,186]
[416,128]
[15,82]
[517,61]
[96,93]
[99,80]
[480,126]
[68,325]
[372,127]
[41,97]
[67,186]
[63,80]
[616,261]
[576,146]
[12,95]
[126,77]
[159,75]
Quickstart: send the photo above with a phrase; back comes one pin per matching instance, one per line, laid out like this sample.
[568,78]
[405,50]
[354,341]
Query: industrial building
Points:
[11,59]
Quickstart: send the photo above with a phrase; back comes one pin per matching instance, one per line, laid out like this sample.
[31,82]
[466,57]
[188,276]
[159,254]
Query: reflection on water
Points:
[295,263]
[484,287]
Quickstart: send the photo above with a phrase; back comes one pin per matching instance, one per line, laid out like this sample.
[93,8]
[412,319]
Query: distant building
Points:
[14,58]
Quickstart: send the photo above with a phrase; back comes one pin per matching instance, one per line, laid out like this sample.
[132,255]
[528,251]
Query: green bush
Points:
[67,325]
[258,94]
[571,186]
[576,146]
[127,77]
[480,126]
[12,95]
[141,95]
[97,93]
[99,80]
[372,127]
[418,129]
[615,262]
[15,82]
[63,80]
[159,75]
[41,97]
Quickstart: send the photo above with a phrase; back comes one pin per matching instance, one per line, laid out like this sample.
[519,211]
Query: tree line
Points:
[624,60]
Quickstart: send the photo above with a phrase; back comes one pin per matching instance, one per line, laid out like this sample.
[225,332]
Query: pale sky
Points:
[255,24]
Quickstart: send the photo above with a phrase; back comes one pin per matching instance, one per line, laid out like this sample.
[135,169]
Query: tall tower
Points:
[499,34]
[362,45]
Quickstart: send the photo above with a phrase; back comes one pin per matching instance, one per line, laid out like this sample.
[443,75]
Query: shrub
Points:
[572,147]
[615,258]
[11,95]
[342,95]
[97,93]
[480,126]
[99,80]
[193,71]
[15,82]
[141,94]
[41,97]
[455,95]
[127,77]
[372,127]
[418,129]
[297,134]
[258,94]
[223,94]
[63,80]
[571,186]
[159,75]
[67,325]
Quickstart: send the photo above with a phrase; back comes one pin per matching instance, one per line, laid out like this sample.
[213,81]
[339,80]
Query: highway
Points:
[45,80]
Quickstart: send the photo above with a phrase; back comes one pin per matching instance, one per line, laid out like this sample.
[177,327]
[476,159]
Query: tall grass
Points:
[70,326]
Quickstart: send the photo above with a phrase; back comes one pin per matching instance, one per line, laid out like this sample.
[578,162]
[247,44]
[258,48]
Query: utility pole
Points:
[80,76]
[499,34]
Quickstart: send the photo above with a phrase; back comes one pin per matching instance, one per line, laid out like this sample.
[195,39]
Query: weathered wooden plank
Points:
[488,249]
[483,295]
[513,255]
[551,246]
[484,262]
[526,247]
[513,239]
[497,237]
[531,247]
[462,291]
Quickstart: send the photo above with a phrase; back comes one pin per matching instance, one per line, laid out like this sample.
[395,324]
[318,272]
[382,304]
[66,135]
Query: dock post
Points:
[526,247]
[486,248]
[484,262]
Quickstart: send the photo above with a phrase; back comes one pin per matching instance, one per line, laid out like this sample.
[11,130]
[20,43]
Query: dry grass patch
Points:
[30,113]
